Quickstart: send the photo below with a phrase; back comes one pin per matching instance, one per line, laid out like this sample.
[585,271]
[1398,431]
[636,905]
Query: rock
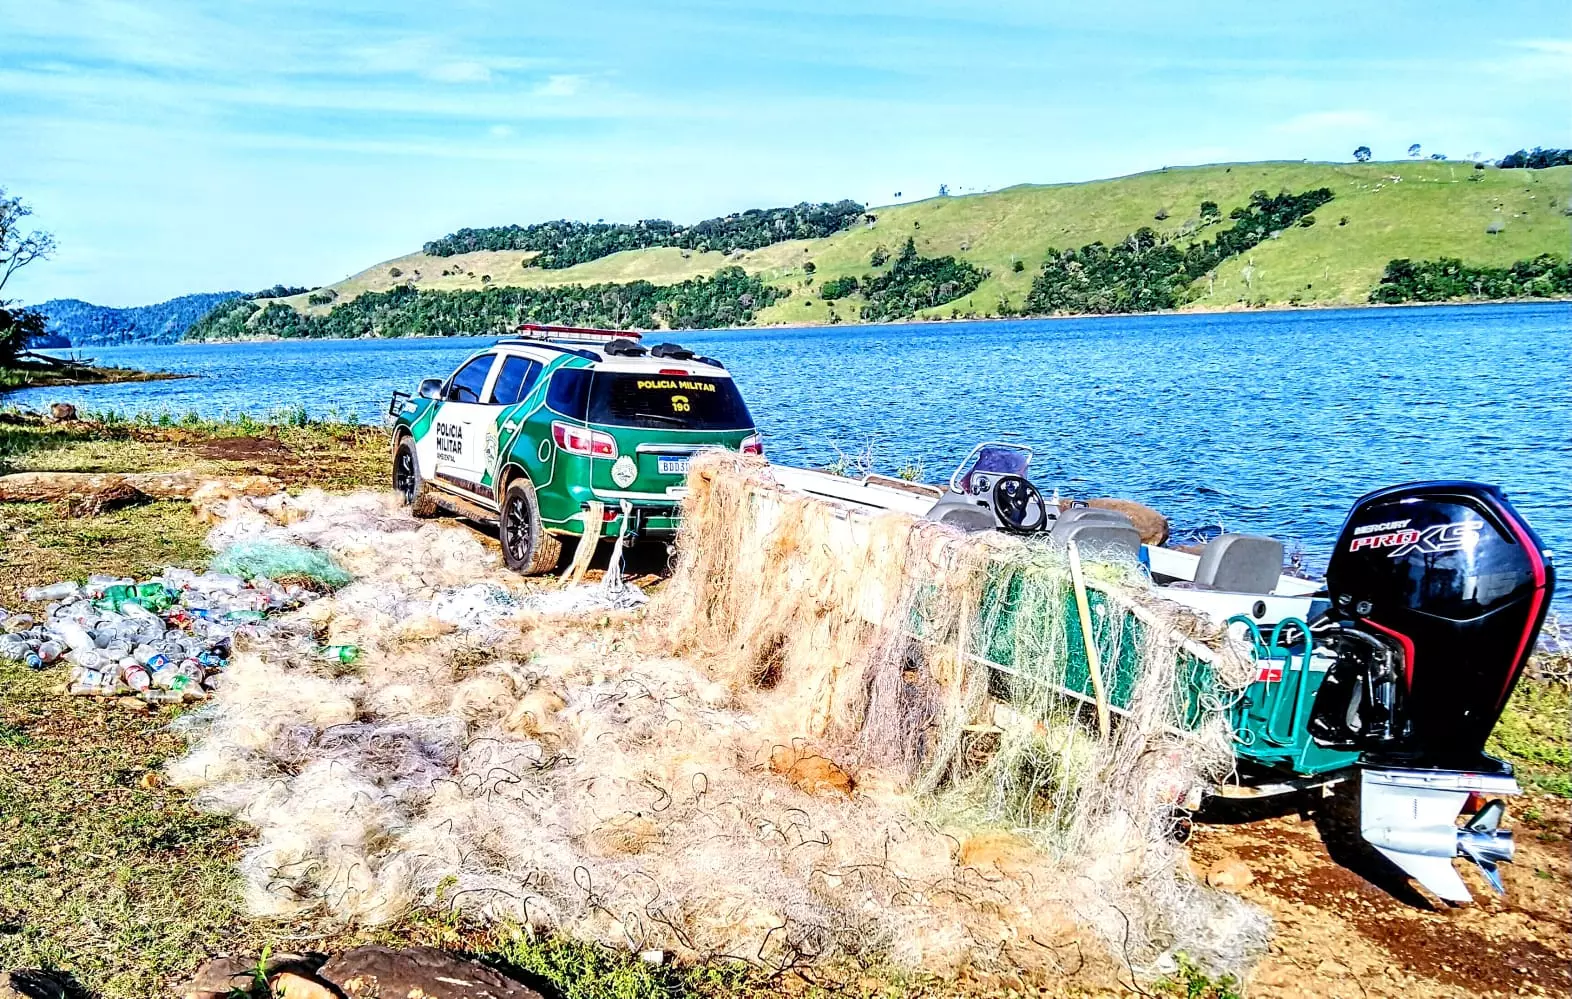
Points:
[151,781]
[33,983]
[115,496]
[218,977]
[1151,525]
[135,705]
[223,976]
[292,986]
[1229,874]
[810,772]
[385,973]
[62,412]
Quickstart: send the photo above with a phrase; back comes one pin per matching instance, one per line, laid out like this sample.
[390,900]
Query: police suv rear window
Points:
[568,393]
[648,400]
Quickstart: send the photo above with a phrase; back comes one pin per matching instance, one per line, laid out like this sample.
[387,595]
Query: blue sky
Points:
[177,145]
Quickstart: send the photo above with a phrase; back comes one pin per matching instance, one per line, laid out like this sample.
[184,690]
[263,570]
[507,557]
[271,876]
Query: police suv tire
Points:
[527,547]
[419,497]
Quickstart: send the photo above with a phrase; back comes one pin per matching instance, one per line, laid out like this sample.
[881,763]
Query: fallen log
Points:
[36,487]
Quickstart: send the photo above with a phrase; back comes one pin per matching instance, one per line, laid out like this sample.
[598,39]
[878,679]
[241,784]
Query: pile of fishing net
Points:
[766,765]
[959,664]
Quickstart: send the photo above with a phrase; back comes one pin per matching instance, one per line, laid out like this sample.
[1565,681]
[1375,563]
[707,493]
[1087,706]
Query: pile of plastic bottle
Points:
[167,639]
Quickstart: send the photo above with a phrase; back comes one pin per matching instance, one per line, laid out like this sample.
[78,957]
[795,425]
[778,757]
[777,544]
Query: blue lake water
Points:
[1270,422]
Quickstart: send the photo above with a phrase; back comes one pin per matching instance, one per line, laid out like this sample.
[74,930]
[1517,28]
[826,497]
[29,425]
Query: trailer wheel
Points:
[411,488]
[527,547]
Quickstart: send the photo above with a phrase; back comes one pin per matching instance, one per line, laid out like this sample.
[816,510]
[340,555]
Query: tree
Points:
[1438,156]
[1209,210]
[1414,151]
[1362,154]
[944,190]
[17,326]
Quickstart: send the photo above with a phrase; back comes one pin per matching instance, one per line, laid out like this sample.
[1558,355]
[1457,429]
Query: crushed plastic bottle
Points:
[345,654]
[57,591]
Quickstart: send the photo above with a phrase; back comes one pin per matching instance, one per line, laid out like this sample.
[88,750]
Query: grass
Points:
[284,444]
[1191,982]
[1417,209]
[1533,734]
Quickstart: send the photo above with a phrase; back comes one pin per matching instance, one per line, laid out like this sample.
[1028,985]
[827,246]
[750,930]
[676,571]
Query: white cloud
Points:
[460,72]
[1554,46]
[500,131]
[561,85]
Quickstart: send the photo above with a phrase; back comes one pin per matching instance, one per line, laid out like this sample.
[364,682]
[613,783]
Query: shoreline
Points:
[927,320]
[71,375]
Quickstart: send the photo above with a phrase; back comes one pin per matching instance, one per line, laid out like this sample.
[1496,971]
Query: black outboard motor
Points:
[1438,590]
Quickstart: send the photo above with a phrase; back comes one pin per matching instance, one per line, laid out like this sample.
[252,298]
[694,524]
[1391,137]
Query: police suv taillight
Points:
[752,444]
[583,441]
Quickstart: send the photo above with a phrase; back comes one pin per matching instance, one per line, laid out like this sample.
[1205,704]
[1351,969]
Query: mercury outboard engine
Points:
[1437,590]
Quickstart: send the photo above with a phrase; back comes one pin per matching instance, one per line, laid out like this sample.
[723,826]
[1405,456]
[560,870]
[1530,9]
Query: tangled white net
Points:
[575,775]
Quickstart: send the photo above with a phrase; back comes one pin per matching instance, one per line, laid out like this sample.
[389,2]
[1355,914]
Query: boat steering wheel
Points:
[1018,505]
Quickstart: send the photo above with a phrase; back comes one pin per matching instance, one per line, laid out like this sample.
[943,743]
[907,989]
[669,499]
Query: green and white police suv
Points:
[565,433]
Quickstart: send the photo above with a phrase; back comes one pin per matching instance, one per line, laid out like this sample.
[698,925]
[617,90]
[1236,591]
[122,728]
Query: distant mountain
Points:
[83,324]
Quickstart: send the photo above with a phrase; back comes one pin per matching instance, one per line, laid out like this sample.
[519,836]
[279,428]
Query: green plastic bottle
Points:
[343,653]
[154,597]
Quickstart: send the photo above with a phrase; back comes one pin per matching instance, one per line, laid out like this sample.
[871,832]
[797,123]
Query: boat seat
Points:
[1099,539]
[1240,563]
[1079,514]
[964,517]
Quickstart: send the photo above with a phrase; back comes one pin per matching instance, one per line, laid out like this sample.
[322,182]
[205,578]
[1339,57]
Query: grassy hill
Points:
[1380,212]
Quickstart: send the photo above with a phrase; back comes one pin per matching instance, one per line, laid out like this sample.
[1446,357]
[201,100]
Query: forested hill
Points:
[1225,236]
[85,324]
[563,244]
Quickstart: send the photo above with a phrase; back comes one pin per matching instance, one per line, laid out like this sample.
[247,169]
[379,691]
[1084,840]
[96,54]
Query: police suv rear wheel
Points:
[526,545]
[411,488]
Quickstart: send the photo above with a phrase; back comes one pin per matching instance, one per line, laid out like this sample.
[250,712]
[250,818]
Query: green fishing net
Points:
[276,560]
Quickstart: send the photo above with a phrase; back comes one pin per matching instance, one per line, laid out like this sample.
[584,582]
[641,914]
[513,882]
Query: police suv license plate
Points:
[672,466]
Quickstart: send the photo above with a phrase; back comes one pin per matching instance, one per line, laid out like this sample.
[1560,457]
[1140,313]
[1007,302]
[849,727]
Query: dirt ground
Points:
[1337,933]
[1341,935]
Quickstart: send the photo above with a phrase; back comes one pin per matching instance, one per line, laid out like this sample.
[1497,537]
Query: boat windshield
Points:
[994,458]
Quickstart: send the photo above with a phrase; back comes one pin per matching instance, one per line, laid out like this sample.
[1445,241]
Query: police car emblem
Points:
[624,471]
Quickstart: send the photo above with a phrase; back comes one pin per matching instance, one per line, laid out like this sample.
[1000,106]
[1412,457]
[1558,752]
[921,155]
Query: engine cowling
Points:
[1437,590]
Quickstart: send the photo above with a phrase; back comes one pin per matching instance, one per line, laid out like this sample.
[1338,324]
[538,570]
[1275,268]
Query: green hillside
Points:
[1379,212]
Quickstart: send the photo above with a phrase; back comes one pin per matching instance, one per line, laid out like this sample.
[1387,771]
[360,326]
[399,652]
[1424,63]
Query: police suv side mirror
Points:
[431,388]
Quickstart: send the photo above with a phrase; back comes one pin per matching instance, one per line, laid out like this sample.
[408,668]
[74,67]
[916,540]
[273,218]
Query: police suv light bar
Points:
[536,331]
